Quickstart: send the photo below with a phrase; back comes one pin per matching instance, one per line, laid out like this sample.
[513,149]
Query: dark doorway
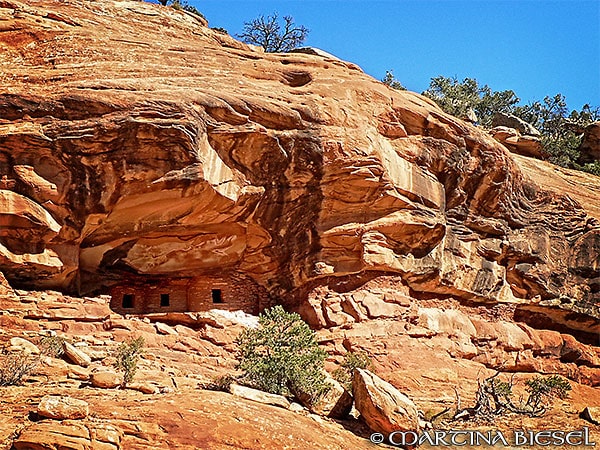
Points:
[165,300]
[127,301]
[217,296]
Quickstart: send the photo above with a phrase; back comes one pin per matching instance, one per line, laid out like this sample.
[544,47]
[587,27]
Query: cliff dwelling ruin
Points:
[191,294]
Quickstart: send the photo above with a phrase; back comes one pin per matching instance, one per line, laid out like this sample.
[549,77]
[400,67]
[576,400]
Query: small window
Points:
[164,300]
[216,296]
[128,301]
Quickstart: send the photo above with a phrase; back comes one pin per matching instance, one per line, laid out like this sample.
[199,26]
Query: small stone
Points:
[591,414]
[76,355]
[163,328]
[296,407]
[106,379]
[61,408]
[18,344]
[78,373]
[145,388]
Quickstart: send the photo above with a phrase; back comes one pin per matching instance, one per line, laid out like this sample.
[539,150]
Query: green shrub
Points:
[352,361]
[128,356]
[542,390]
[185,6]
[282,356]
[391,81]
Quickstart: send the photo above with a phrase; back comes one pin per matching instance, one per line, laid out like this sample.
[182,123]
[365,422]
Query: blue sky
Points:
[534,47]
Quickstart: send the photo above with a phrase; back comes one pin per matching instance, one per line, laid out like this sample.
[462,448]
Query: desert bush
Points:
[282,355]
[561,131]
[352,361]
[220,383]
[542,390]
[128,356]
[52,346]
[459,97]
[494,397]
[16,366]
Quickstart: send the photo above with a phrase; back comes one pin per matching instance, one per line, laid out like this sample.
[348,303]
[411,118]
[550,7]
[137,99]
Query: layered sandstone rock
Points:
[138,146]
[55,407]
[383,407]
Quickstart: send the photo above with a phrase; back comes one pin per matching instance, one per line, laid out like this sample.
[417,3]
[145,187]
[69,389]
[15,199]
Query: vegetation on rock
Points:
[390,80]
[268,33]
[182,4]
[282,355]
[128,356]
[561,130]
[494,397]
[52,346]
[15,366]
[351,362]
[457,98]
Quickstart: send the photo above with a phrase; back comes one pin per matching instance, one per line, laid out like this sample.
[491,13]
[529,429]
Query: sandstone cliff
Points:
[138,144]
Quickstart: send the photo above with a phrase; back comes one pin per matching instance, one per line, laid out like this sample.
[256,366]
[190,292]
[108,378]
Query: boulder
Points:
[525,145]
[76,355]
[69,435]
[591,414]
[61,408]
[144,388]
[259,396]
[163,328]
[383,408]
[106,379]
[508,120]
[589,149]
[18,344]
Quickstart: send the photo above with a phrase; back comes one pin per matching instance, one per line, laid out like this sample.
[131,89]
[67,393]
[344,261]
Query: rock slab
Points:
[259,396]
[61,408]
[76,356]
[106,379]
[383,407]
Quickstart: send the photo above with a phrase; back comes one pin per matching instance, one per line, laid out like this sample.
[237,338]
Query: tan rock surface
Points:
[162,148]
[183,165]
[383,407]
[106,379]
[69,435]
[61,408]
[426,365]
[259,396]
[75,355]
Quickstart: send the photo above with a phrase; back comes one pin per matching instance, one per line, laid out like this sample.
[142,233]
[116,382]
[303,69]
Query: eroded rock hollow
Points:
[151,149]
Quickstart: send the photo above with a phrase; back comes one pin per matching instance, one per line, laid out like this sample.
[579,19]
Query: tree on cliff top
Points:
[269,34]
[458,97]
[561,131]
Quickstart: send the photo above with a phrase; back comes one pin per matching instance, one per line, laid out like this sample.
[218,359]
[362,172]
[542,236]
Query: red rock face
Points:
[137,144]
